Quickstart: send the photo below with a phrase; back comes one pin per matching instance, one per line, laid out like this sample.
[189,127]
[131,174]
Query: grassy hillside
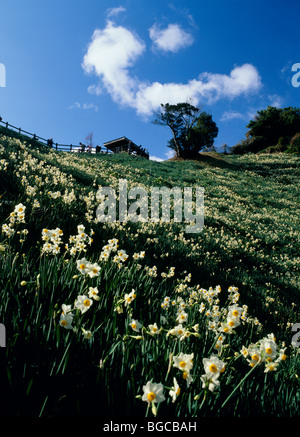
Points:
[246,259]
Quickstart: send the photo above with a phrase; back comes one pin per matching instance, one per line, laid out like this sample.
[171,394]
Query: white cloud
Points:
[208,87]
[109,55]
[170,154]
[275,100]
[84,106]
[231,115]
[172,39]
[95,89]
[112,12]
[113,51]
[155,158]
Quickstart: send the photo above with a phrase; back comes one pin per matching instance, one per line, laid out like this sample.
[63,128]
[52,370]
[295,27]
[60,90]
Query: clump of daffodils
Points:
[111,246]
[139,255]
[120,257]
[87,268]
[265,351]
[152,271]
[125,300]
[16,217]
[78,243]
[52,240]
[168,274]
[68,197]
[3,164]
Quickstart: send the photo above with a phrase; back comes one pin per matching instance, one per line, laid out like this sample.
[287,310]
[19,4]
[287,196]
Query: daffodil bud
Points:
[154,409]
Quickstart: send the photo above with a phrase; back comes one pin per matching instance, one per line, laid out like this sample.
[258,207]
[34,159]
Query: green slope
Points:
[250,241]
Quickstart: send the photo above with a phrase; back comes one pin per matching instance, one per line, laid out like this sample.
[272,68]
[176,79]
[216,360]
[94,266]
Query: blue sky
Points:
[75,67]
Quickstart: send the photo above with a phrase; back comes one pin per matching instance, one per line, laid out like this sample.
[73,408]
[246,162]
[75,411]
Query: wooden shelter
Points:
[123,144]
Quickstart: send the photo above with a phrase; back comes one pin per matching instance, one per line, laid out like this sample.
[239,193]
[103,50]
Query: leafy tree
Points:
[192,129]
[272,124]
[202,133]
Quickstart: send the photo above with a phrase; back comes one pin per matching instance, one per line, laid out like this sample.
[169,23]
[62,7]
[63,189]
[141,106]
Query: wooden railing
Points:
[48,142]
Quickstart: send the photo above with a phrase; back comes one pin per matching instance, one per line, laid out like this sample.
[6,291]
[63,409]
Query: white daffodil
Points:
[187,377]
[83,303]
[271,367]
[233,322]
[254,353]
[183,362]
[129,297]
[93,270]
[82,265]
[153,329]
[235,311]
[175,390]
[136,325]
[93,293]
[66,320]
[213,366]
[66,309]
[87,334]
[178,331]
[210,383]
[268,349]
[153,392]
[182,317]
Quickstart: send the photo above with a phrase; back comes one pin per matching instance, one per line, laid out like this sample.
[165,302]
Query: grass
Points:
[246,256]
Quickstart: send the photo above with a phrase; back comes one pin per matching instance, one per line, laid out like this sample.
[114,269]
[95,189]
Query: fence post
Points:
[56,146]
[71,148]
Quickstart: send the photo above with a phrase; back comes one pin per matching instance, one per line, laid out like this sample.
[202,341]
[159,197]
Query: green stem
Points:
[240,383]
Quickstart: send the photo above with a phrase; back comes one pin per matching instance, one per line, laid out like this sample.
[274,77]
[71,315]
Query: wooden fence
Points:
[46,142]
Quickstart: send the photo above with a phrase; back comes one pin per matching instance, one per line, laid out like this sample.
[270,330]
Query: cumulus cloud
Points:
[172,38]
[114,50]
[207,87]
[111,52]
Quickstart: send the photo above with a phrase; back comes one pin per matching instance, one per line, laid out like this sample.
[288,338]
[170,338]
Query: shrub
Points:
[295,144]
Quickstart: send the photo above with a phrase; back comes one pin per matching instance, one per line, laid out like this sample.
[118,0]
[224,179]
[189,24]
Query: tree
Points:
[192,129]
[89,139]
[272,124]
[203,133]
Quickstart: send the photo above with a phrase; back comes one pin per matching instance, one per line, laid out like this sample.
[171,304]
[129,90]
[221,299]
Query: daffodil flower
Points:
[66,320]
[183,362]
[83,303]
[153,392]
[175,390]
[136,325]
